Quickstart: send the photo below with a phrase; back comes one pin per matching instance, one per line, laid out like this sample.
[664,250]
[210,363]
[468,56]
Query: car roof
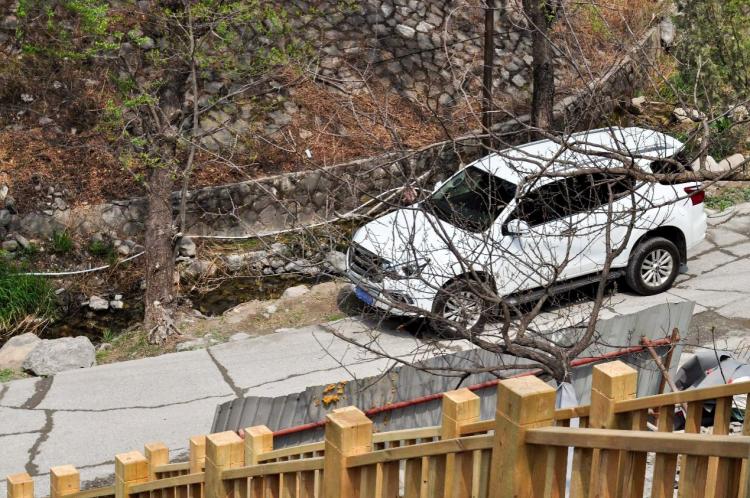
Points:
[517,163]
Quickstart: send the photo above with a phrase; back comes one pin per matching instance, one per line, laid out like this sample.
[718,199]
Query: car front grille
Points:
[366,264]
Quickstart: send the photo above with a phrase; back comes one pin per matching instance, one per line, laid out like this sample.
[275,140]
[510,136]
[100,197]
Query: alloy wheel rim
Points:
[463,308]
[657,267]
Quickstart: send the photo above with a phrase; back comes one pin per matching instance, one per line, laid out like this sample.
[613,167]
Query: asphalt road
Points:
[85,417]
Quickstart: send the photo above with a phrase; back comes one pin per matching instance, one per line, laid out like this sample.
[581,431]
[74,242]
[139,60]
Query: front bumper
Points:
[396,297]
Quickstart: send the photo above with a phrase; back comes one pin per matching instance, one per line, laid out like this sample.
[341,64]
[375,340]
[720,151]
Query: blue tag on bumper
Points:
[363,296]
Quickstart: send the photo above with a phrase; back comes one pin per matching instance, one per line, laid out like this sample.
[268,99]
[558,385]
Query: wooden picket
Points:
[523,452]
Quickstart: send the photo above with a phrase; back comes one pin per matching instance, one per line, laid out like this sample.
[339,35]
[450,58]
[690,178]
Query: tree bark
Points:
[489,63]
[539,14]
[159,255]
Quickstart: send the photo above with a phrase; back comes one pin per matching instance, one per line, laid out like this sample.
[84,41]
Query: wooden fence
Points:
[523,452]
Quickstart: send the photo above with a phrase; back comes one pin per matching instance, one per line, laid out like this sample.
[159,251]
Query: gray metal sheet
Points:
[407,383]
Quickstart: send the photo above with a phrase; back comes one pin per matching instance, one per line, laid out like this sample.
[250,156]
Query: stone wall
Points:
[285,201]
[429,51]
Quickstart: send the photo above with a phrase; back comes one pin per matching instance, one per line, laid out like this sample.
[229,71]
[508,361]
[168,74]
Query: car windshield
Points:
[471,200]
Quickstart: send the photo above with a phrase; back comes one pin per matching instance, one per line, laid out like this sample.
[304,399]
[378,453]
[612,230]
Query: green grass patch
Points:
[103,250]
[7,374]
[727,198]
[62,243]
[22,296]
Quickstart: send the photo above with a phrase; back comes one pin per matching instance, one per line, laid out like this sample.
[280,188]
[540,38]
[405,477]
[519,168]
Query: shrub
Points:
[102,249]
[21,297]
[62,243]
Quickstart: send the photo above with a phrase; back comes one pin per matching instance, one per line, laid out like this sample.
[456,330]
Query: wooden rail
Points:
[523,452]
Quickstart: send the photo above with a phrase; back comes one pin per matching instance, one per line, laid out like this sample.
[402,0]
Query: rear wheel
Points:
[459,310]
[653,267]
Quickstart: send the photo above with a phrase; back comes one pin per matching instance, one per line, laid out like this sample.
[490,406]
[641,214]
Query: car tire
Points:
[448,302]
[654,265]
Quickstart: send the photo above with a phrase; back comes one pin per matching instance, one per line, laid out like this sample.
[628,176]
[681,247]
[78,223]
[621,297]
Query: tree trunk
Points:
[159,255]
[543,71]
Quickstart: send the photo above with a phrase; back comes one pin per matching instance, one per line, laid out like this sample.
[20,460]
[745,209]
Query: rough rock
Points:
[190,345]
[637,104]
[10,245]
[337,260]
[98,304]
[406,31]
[199,267]
[667,32]
[15,351]
[123,249]
[730,162]
[739,113]
[186,247]
[201,342]
[711,164]
[53,356]
[682,115]
[519,81]
[25,244]
[295,292]
[270,309]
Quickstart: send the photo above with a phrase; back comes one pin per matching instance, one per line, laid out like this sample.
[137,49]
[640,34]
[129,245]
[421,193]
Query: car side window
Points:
[569,196]
[546,203]
[602,187]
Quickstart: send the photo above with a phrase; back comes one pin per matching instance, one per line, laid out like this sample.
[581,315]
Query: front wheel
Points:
[459,311]
[653,267]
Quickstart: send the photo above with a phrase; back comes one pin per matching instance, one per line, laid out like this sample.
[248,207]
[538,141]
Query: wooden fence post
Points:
[63,480]
[197,454]
[20,486]
[258,440]
[348,433]
[130,468]
[157,454]
[460,407]
[612,382]
[224,450]
[518,469]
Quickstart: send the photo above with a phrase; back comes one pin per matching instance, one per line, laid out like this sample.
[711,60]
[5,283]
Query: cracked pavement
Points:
[85,417]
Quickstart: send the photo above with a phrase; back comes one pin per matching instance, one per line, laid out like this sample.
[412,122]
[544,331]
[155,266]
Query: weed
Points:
[728,198]
[32,250]
[22,296]
[108,335]
[62,242]
[334,316]
[102,249]
[7,374]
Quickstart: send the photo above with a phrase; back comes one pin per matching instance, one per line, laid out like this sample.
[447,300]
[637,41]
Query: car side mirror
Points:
[516,228]
[438,185]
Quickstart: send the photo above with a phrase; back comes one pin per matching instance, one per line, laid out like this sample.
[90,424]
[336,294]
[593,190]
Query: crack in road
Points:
[20,433]
[31,467]
[104,410]
[41,388]
[225,375]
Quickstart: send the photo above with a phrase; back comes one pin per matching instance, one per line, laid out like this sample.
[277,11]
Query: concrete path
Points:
[85,417]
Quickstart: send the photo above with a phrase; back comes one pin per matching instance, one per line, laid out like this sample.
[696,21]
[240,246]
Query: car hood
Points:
[411,234]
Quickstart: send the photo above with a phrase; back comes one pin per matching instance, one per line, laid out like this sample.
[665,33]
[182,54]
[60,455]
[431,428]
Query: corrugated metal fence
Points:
[407,382]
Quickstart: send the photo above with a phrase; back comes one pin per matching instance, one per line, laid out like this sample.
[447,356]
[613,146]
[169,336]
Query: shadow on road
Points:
[419,327]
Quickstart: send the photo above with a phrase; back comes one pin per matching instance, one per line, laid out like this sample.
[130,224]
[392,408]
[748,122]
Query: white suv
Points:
[529,221]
